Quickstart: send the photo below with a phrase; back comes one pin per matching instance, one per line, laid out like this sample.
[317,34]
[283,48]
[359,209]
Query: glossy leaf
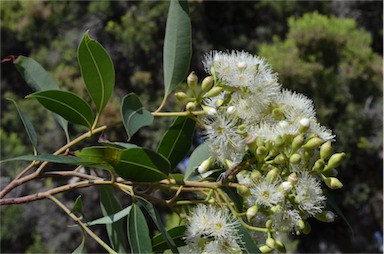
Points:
[28,126]
[177,140]
[39,80]
[142,165]
[109,219]
[247,244]
[66,104]
[78,206]
[97,71]
[177,45]
[200,154]
[159,224]
[120,145]
[159,243]
[110,205]
[81,249]
[134,115]
[52,158]
[138,233]
[100,154]
[235,197]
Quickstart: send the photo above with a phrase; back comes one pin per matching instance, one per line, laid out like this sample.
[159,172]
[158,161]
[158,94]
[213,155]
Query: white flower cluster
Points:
[211,229]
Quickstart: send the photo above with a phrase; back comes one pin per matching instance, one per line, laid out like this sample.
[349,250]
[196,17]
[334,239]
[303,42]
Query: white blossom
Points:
[265,193]
[309,194]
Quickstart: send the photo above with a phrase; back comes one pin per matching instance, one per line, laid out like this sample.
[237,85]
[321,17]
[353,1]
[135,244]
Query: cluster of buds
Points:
[268,140]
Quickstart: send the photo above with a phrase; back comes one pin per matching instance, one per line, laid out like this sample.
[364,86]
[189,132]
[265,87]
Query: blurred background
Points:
[331,51]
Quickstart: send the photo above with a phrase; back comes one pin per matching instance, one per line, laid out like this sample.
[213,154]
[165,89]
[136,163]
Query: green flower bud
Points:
[251,143]
[330,172]
[261,152]
[297,142]
[277,114]
[251,212]
[301,224]
[280,246]
[243,190]
[272,175]
[192,80]
[268,224]
[292,178]
[219,102]
[304,125]
[313,143]
[205,165]
[325,216]
[295,159]
[270,242]
[260,141]
[335,160]
[333,183]
[181,96]
[206,84]
[275,209]
[215,91]
[255,175]
[325,150]
[191,106]
[265,249]
[209,110]
[280,159]
[228,164]
[279,141]
[286,186]
[307,228]
[319,165]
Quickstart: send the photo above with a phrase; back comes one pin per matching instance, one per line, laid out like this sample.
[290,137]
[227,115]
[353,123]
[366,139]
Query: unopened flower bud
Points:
[295,158]
[228,164]
[333,183]
[280,246]
[265,249]
[280,159]
[330,172]
[268,224]
[251,212]
[297,142]
[243,191]
[307,228]
[319,165]
[215,91]
[209,110]
[301,224]
[219,102]
[326,216]
[255,175]
[286,186]
[292,178]
[272,175]
[325,150]
[283,124]
[260,141]
[270,242]
[192,80]
[231,110]
[335,160]
[261,152]
[181,96]
[205,165]
[206,84]
[279,141]
[313,143]
[191,106]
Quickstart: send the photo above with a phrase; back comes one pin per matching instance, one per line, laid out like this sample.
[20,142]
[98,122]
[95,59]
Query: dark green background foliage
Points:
[331,51]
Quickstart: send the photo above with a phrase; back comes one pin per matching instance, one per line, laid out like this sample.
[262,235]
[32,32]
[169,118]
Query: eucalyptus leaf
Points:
[71,160]
[177,50]
[28,126]
[66,104]
[159,243]
[142,165]
[177,140]
[78,206]
[138,233]
[247,243]
[109,219]
[97,71]
[100,154]
[110,205]
[81,249]
[134,115]
[39,80]
[200,154]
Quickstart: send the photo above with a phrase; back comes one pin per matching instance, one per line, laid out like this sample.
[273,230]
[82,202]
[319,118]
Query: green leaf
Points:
[100,154]
[97,71]
[28,126]
[177,140]
[332,203]
[134,115]
[159,243]
[121,145]
[142,165]
[200,154]
[81,249]
[138,233]
[66,104]
[247,244]
[110,205]
[78,206]
[39,80]
[177,45]
[52,158]
[109,219]
[159,224]
[235,197]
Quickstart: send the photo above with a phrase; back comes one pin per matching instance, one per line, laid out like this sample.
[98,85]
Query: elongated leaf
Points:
[142,165]
[39,80]
[177,45]
[78,206]
[159,224]
[177,140]
[247,243]
[120,145]
[28,126]
[97,71]
[110,205]
[332,203]
[235,197]
[66,104]
[138,233]
[109,219]
[81,249]
[52,158]
[200,154]
[100,154]
[134,115]
[159,243]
